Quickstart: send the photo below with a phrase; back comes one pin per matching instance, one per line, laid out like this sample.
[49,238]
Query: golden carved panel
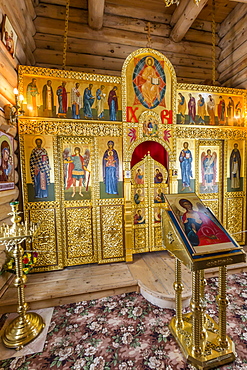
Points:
[140,240]
[46,241]
[65,74]
[112,232]
[208,88]
[234,219]
[42,205]
[198,132]
[69,128]
[157,239]
[79,233]
[111,201]
[213,205]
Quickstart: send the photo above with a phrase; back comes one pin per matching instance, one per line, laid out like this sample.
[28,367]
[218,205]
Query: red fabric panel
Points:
[157,152]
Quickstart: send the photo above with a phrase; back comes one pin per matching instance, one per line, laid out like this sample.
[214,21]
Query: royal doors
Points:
[148,189]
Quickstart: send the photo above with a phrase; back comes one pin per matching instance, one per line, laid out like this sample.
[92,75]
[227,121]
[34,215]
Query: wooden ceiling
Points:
[181,33]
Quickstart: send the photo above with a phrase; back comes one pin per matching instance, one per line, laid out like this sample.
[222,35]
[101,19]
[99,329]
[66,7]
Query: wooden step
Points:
[72,285]
[151,274]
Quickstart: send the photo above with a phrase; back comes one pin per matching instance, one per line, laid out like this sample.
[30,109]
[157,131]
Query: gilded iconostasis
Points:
[99,154]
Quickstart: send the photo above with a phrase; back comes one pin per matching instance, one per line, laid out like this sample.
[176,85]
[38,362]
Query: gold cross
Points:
[149,28]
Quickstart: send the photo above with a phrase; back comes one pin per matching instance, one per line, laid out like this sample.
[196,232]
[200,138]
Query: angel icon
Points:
[209,170]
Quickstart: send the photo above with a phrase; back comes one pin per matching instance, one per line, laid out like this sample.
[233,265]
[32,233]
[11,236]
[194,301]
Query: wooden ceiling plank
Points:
[112,21]
[59,12]
[234,41]
[186,20]
[154,6]
[73,3]
[122,21]
[238,12]
[233,57]
[223,8]
[96,13]
[240,1]
[235,31]
[130,12]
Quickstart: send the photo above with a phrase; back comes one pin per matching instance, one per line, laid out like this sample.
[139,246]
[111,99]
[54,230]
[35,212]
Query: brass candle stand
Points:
[27,326]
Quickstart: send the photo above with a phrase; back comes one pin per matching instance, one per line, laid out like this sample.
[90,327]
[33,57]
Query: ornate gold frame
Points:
[69,129]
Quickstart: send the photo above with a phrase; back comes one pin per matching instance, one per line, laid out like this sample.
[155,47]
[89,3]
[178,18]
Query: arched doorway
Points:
[149,183]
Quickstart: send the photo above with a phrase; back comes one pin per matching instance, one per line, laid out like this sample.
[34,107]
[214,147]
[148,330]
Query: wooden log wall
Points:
[232,66]
[123,31]
[20,14]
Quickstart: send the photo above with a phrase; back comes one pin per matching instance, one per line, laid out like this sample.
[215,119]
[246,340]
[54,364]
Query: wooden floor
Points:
[152,274]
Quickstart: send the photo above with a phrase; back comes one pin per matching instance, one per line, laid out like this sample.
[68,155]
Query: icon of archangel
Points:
[149,82]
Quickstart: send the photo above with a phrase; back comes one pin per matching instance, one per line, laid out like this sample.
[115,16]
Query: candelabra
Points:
[27,326]
[16,110]
[171,2]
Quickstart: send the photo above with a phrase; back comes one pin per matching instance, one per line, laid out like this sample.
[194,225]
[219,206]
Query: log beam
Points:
[186,19]
[178,12]
[96,13]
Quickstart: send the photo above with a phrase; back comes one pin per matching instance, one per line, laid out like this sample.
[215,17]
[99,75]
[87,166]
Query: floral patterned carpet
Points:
[126,332]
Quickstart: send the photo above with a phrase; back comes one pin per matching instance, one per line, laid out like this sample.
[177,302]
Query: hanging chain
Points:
[149,29]
[213,43]
[65,37]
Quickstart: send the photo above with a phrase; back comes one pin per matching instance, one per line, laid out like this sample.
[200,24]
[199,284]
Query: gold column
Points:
[150,199]
[196,314]
[128,229]
[203,283]
[222,302]
[178,287]
[203,318]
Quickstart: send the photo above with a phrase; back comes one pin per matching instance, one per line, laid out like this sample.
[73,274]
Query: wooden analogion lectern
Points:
[198,240]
